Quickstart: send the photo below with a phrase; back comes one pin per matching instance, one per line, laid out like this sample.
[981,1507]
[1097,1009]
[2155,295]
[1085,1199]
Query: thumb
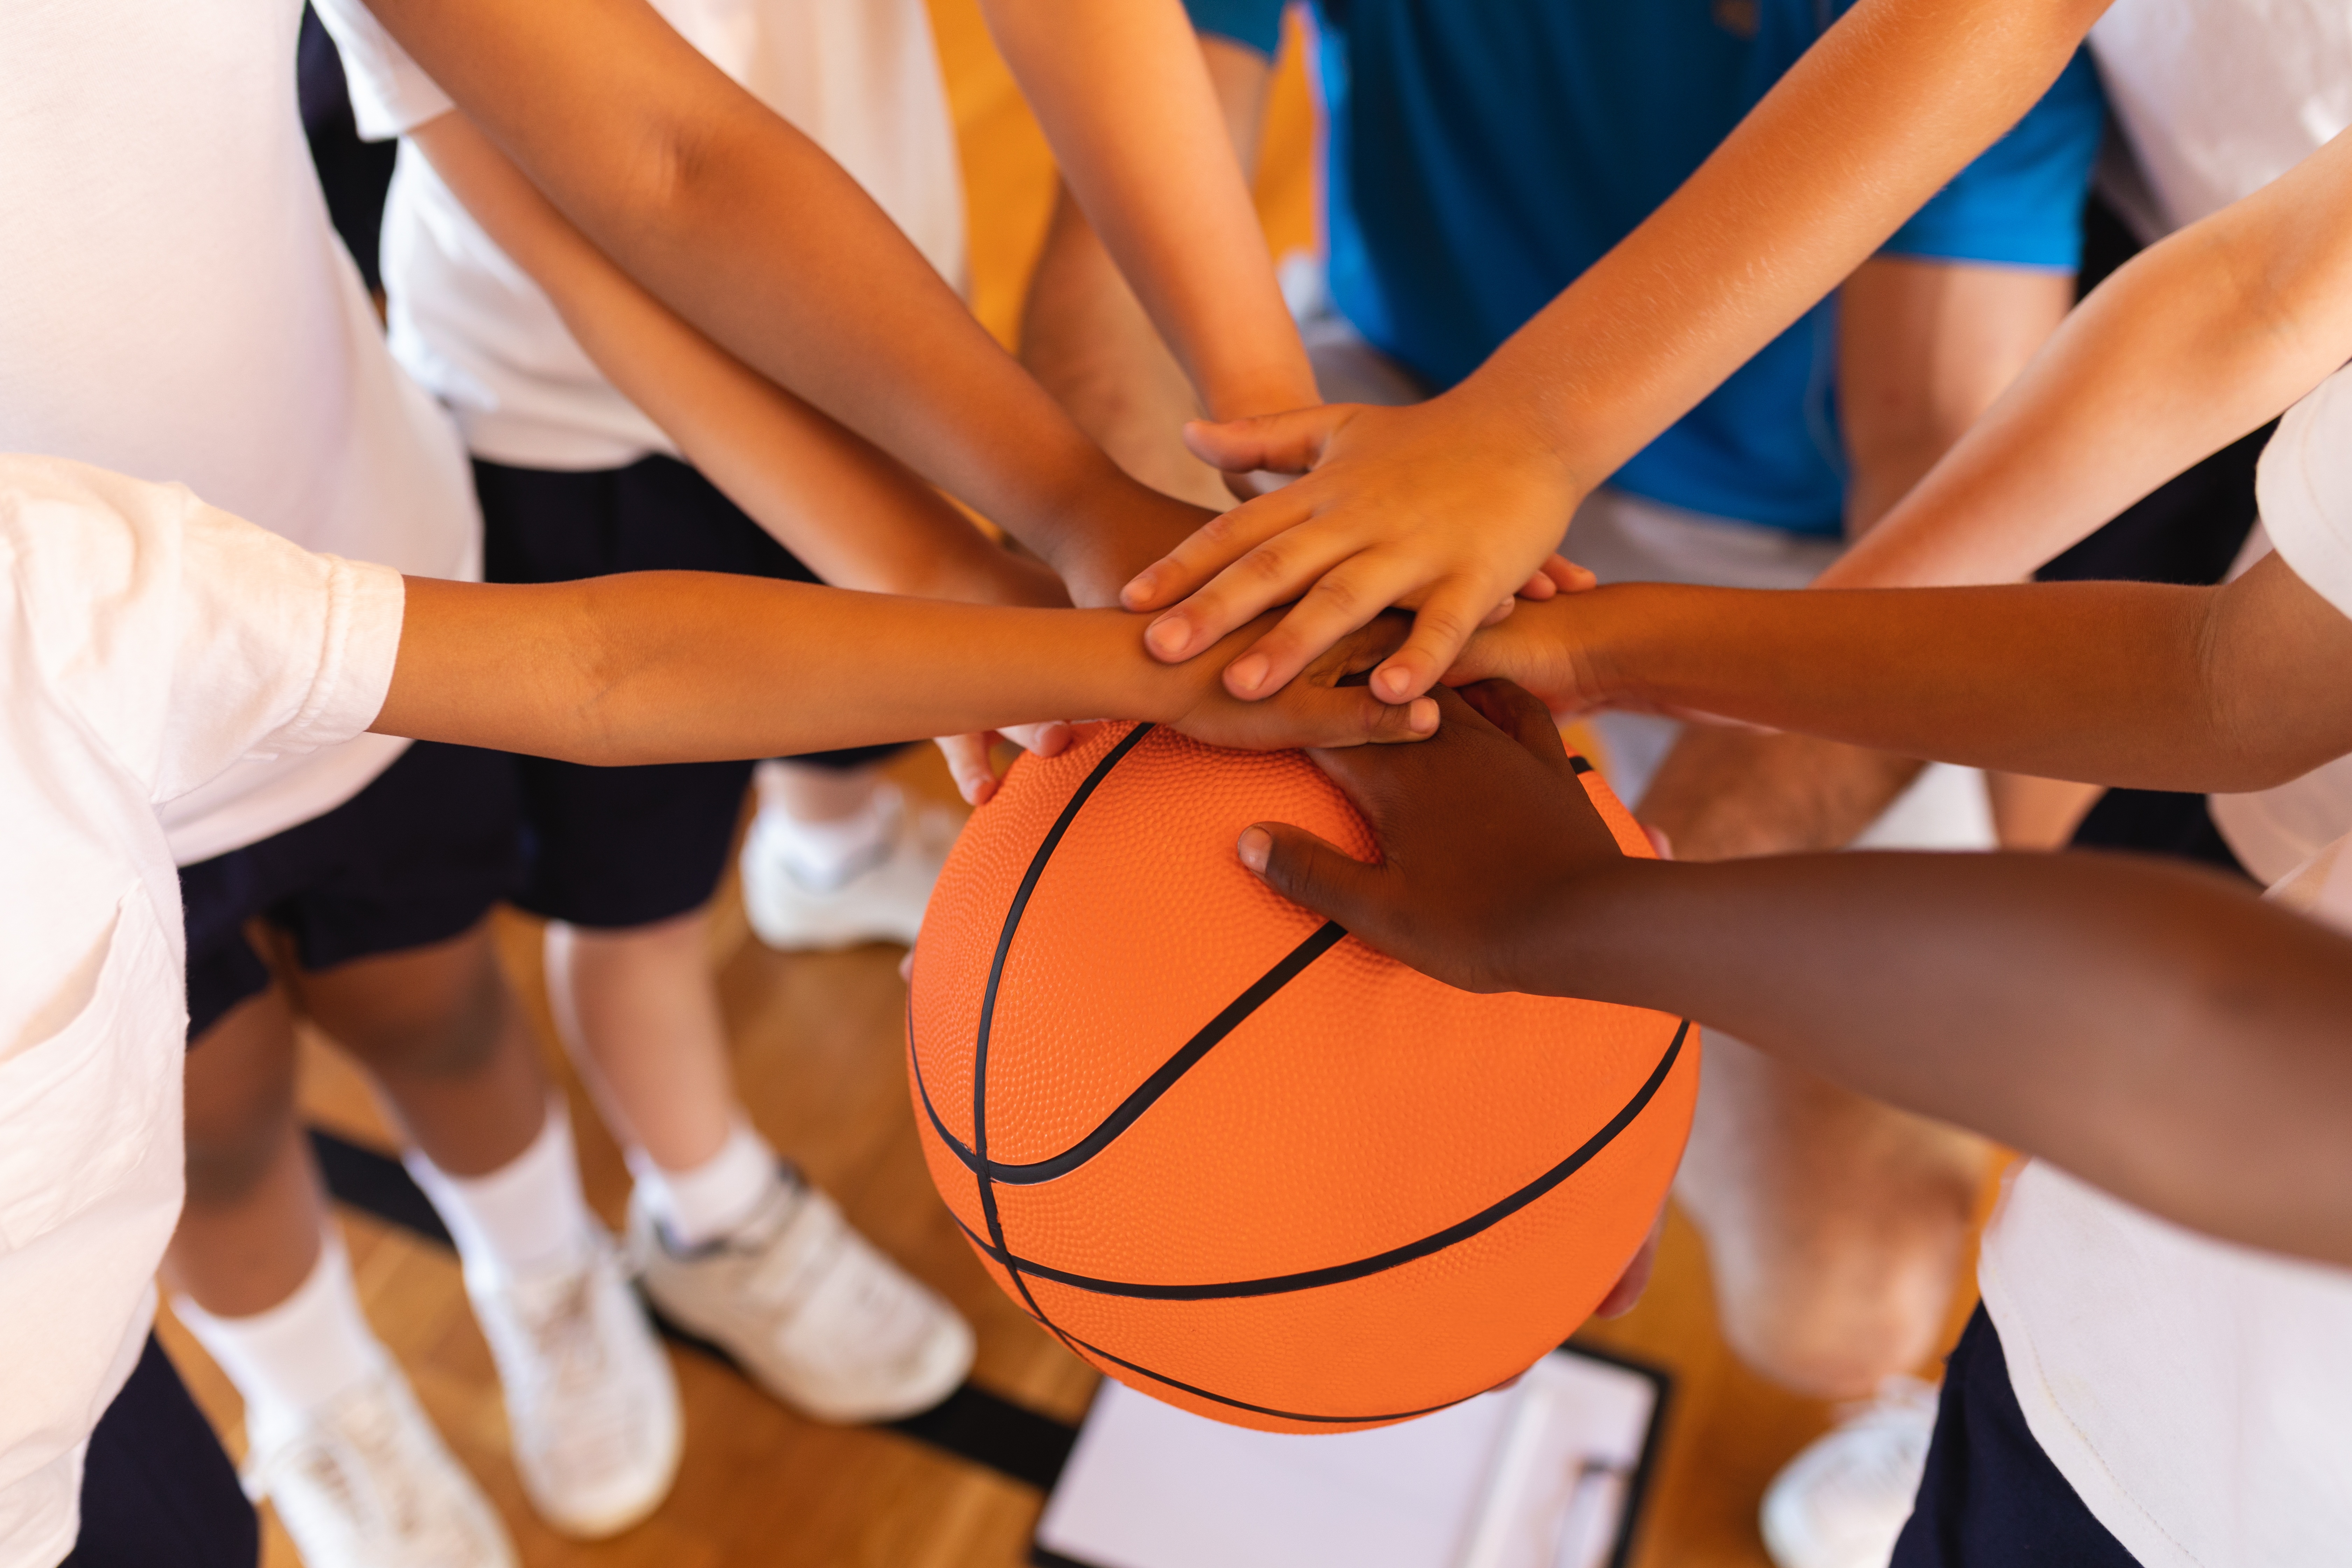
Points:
[1307,870]
[1288,443]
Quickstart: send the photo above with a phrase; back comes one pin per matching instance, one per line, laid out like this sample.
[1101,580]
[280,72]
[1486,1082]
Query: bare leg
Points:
[1835,1226]
[443,1037]
[639,1013]
[255,1206]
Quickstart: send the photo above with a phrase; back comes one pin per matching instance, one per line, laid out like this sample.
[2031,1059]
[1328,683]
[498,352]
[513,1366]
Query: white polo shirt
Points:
[860,78]
[148,644]
[2196,1394]
[174,305]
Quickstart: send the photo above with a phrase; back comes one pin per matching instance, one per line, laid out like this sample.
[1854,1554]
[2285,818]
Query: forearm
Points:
[745,228]
[684,666]
[1887,106]
[2103,682]
[2163,1036]
[1147,139]
[2196,342]
[859,519]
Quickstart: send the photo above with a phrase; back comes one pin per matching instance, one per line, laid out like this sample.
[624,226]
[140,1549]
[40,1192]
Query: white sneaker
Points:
[809,1308]
[591,1403]
[366,1482]
[882,898]
[1842,1501]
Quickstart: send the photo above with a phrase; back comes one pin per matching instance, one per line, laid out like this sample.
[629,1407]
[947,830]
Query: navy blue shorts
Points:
[417,858]
[615,848]
[1991,1498]
[156,1490]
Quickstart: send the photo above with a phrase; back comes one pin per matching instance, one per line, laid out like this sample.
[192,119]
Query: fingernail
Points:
[1248,673]
[1421,717]
[1255,846]
[1390,684]
[1167,638]
[1139,589]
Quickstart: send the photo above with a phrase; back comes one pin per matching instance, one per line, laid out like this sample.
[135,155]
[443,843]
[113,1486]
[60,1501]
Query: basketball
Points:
[1229,1154]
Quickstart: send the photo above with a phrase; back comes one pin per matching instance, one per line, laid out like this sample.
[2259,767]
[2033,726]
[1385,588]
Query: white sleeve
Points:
[279,651]
[391,94]
[184,638]
[2304,489]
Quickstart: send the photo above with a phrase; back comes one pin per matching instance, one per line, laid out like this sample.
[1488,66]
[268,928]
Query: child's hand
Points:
[1485,832]
[972,759]
[1549,649]
[1446,508]
[1329,705]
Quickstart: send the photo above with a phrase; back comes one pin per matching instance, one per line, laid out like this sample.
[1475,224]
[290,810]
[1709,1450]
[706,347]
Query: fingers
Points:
[1538,588]
[1212,550]
[1566,574]
[1288,443]
[1441,628]
[1521,714]
[1305,871]
[1050,739]
[1626,1293]
[1344,599]
[972,766]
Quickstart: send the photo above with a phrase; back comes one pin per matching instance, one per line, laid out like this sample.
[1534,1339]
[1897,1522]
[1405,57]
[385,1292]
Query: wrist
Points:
[1585,932]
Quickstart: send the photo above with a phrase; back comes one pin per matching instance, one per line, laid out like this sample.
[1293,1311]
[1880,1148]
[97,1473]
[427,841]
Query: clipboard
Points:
[1549,1473]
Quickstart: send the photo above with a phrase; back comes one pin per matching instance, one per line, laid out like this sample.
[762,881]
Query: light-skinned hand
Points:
[1449,508]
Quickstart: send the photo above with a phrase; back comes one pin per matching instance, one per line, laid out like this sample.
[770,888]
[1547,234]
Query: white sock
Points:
[825,855]
[526,1217]
[700,1205]
[304,1351]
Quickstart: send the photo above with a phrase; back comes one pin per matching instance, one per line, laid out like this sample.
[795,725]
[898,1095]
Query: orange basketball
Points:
[1234,1157]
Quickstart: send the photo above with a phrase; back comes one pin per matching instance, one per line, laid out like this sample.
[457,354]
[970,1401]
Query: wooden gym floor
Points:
[817,1041]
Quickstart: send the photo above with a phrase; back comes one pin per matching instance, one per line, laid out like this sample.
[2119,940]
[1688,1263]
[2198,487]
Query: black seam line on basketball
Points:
[1163,1080]
[1577,766]
[988,1009]
[1265,1409]
[1341,1273]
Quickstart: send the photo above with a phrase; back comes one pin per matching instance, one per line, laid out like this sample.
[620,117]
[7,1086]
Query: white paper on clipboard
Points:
[1540,1475]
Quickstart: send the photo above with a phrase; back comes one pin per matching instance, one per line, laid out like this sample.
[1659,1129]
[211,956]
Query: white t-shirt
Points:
[860,78]
[148,643]
[2198,1395]
[174,305]
[2218,98]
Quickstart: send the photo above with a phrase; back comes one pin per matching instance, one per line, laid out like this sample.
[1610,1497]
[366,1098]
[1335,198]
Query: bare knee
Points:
[432,1012]
[1832,1311]
[239,1100]
[1835,1226]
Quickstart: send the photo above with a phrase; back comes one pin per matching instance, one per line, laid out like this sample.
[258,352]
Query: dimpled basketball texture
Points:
[1234,1157]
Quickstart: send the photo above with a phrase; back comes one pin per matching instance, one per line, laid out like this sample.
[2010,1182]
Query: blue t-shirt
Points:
[1482,153]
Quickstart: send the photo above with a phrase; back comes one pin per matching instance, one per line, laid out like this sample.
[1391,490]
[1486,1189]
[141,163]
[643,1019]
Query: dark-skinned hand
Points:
[1485,831]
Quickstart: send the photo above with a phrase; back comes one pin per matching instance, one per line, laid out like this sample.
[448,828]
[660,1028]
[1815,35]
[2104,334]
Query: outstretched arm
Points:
[2223,689]
[747,230]
[1453,504]
[2147,1027]
[855,515]
[1147,142]
[2193,343]
[666,667]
